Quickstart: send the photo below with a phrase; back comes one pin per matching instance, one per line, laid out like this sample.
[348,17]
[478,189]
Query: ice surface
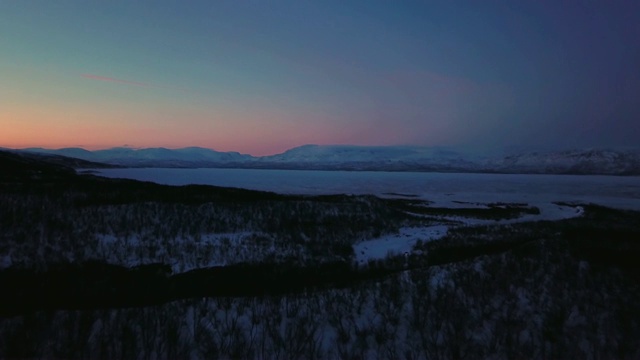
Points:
[444,189]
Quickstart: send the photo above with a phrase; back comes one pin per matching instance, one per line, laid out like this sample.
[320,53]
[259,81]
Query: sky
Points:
[260,77]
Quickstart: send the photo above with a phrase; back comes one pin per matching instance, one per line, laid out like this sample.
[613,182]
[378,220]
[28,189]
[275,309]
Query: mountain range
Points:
[375,158]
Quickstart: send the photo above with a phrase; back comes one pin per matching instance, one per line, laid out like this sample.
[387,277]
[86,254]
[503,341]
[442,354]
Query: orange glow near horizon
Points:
[81,126]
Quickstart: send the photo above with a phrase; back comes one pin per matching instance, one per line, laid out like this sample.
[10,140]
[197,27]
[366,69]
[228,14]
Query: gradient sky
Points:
[260,77]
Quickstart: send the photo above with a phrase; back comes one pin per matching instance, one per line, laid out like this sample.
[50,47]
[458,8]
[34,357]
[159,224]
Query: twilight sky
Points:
[260,77]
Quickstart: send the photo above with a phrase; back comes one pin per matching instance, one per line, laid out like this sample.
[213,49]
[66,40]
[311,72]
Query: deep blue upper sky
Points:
[263,76]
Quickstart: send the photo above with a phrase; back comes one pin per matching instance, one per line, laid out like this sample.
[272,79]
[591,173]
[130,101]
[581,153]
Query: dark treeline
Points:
[96,285]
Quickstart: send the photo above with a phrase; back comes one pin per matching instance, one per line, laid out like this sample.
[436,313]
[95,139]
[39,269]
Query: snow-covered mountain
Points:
[590,161]
[371,158]
[350,153]
[405,158]
[379,158]
[153,157]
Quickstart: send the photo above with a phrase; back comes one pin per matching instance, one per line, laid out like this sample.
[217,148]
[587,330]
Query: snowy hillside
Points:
[347,153]
[376,158]
[414,158]
[152,157]
[609,162]
[349,157]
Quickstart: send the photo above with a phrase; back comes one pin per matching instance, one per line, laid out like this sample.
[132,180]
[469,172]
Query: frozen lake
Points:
[445,189]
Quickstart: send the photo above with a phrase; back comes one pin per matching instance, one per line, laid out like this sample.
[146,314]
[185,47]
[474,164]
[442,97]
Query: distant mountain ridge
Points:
[342,153]
[590,161]
[151,157]
[375,158]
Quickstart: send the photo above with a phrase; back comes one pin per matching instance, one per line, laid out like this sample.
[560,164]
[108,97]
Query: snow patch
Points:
[399,243]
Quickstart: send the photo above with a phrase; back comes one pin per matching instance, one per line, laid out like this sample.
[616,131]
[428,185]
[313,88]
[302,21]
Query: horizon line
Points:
[450,147]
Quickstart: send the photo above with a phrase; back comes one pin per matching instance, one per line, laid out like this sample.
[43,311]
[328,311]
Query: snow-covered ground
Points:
[399,243]
[189,253]
[406,238]
[548,212]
